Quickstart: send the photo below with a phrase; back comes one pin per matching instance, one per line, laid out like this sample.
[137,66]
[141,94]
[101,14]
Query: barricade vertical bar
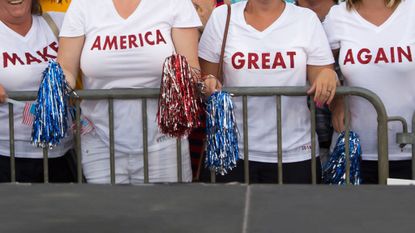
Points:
[413,147]
[111,132]
[246,149]
[279,138]
[313,142]
[179,160]
[212,177]
[45,165]
[145,139]
[78,141]
[346,136]
[383,161]
[12,148]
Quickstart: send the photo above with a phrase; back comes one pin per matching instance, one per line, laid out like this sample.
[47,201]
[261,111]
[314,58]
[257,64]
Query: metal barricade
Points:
[144,94]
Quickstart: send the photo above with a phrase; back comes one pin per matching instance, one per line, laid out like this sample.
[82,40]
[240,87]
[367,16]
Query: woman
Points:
[27,43]
[271,43]
[375,43]
[124,45]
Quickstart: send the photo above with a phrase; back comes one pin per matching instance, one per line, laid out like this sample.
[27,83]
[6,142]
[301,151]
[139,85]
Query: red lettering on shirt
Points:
[147,38]
[279,61]
[291,55]
[123,42]
[54,46]
[27,58]
[44,54]
[364,56]
[349,57]
[380,55]
[30,59]
[110,43]
[392,54]
[140,37]
[407,54]
[131,41]
[263,61]
[238,63]
[252,60]
[12,59]
[159,37]
[97,43]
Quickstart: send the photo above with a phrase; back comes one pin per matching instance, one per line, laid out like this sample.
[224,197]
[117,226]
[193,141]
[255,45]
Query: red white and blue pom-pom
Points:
[179,102]
[334,171]
[222,135]
[51,114]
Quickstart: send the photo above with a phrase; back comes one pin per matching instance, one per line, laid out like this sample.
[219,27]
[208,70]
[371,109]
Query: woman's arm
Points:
[69,55]
[209,73]
[337,106]
[323,80]
[185,42]
[3,94]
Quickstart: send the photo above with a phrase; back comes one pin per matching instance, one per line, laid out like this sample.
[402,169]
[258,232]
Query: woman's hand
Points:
[210,71]
[3,94]
[323,81]
[210,85]
[337,114]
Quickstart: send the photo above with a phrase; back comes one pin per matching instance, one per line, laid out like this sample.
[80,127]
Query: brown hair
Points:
[389,3]
[36,8]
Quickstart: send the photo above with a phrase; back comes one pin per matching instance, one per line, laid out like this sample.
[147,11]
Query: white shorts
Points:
[129,168]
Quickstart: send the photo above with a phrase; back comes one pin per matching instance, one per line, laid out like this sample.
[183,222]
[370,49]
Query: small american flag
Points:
[29,112]
[86,125]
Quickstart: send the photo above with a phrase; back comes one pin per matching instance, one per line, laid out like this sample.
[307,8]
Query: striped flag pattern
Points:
[29,111]
[86,125]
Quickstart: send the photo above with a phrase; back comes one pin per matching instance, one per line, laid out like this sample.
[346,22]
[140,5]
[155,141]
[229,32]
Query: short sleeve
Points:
[74,22]
[211,41]
[185,14]
[330,27]
[318,49]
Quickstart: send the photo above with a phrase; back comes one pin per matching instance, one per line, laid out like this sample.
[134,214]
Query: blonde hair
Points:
[389,3]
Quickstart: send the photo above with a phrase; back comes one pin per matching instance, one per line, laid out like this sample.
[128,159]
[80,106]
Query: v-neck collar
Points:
[117,15]
[384,24]
[271,27]
[19,36]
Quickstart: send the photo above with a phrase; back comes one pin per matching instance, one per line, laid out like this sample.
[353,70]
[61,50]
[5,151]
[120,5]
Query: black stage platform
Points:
[201,208]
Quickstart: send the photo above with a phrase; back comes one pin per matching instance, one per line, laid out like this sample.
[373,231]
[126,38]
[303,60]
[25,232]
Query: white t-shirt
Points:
[22,61]
[278,56]
[126,53]
[380,59]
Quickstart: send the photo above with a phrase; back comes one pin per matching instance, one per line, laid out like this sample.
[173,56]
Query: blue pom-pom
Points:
[51,115]
[334,171]
[222,134]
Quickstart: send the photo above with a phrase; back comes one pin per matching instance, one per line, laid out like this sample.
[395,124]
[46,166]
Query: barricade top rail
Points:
[144,93]
[127,93]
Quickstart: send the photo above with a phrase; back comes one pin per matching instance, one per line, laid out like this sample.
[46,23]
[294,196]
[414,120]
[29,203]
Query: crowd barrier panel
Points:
[153,93]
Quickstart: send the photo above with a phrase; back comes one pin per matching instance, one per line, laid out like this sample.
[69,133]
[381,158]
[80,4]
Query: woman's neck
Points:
[263,6]
[375,11]
[260,14]
[372,4]
[20,26]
